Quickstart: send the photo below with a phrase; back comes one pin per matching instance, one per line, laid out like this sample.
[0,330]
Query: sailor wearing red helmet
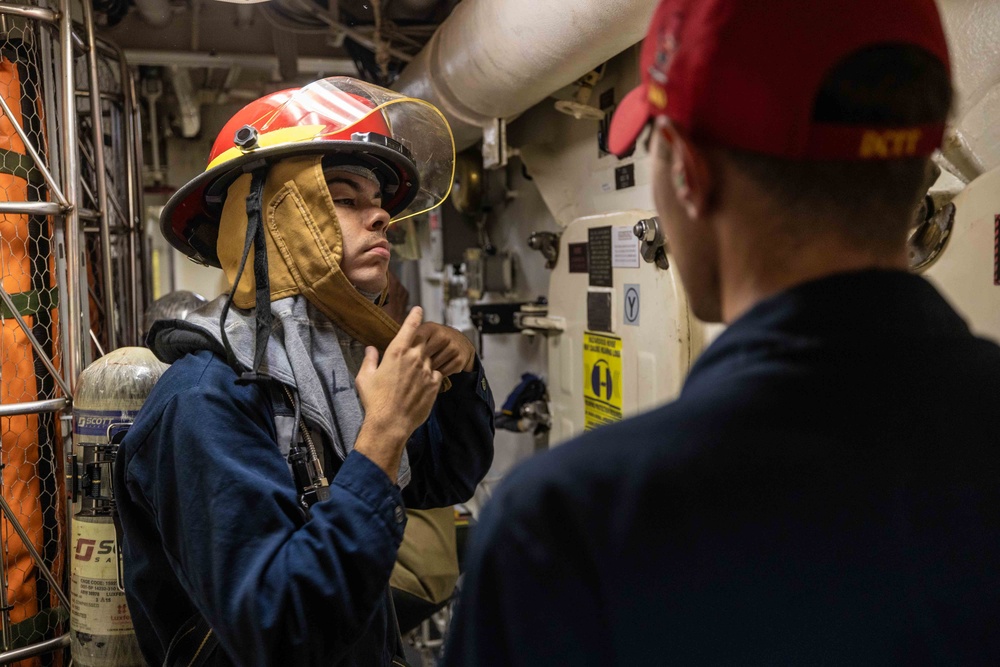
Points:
[824,490]
[262,487]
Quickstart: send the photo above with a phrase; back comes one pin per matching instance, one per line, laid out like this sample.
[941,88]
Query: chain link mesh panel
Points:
[32,479]
[35,260]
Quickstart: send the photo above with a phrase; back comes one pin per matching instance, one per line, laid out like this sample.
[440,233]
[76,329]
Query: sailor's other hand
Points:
[450,351]
[398,299]
[397,394]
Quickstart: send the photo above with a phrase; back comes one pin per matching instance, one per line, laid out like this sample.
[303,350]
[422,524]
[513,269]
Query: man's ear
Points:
[690,172]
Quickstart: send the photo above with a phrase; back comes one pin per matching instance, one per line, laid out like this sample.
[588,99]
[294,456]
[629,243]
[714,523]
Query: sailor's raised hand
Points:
[396,393]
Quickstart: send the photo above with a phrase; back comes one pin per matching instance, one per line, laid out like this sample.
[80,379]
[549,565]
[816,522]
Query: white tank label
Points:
[98,606]
[93,427]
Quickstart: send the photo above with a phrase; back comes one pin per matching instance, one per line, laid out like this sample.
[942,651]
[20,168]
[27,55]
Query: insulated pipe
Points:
[156,13]
[244,15]
[152,94]
[497,58]
[420,7]
[190,116]
[248,61]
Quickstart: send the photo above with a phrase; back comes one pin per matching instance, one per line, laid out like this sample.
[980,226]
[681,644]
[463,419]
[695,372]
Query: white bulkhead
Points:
[653,336]
[968,269]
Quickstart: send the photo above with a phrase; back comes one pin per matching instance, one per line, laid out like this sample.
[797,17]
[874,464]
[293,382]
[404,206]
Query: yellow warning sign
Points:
[602,380]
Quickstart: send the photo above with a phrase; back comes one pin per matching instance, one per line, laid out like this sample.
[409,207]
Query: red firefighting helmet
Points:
[406,142]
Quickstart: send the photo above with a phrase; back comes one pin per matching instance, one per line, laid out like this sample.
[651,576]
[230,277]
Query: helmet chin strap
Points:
[262,306]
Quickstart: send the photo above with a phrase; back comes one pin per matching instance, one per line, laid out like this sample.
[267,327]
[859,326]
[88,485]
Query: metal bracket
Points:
[536,417]
[525,318]
[495,151]
[533,318]
[546,243]
[653,247]
[929,238]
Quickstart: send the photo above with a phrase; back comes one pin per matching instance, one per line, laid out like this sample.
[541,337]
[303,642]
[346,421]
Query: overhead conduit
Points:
[497,58]
[156,13]
[474,71]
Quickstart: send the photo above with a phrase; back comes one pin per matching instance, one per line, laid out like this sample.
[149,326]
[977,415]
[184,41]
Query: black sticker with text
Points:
[599,256]
[624,176]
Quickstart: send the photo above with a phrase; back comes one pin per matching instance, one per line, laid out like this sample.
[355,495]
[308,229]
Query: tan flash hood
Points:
[304,249]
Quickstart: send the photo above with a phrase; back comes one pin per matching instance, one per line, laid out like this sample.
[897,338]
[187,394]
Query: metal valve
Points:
[645,230]
[546,243]
[653,247]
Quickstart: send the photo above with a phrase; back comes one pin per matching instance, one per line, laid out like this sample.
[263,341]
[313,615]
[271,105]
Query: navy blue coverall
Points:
[212,521]
[826,490]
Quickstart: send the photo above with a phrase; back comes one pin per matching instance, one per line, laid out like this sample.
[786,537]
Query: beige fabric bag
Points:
[427,563]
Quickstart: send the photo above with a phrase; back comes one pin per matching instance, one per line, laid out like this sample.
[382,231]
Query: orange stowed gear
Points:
[265,189]
[30,443]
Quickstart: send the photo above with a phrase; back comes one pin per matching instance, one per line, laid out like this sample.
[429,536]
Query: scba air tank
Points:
[109,394]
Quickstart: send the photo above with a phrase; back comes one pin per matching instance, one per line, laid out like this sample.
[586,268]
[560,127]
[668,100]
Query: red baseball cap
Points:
[745,74]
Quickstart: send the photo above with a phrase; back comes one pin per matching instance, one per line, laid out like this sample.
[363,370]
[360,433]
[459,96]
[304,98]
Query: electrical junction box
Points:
[629,337]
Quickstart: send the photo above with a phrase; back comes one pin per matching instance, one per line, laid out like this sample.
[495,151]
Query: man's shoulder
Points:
[587,474]
[199,374]
[192,388]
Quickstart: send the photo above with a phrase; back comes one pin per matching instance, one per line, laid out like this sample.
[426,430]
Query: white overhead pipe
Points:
[156,13]
[417,6]
[250,61]
[497,58]
[244,15]
[190,109]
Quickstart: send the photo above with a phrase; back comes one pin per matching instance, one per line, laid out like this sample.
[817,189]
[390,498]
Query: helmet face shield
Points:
[342,109]
[407,142]
[419,127]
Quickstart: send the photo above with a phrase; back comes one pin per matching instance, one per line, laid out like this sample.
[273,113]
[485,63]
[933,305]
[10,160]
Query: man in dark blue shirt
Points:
[825,489]
[261,488]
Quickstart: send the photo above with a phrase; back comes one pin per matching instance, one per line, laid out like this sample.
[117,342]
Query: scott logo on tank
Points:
[85,549]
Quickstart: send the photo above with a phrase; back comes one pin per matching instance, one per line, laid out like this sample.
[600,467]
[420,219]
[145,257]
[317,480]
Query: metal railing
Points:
[81,158]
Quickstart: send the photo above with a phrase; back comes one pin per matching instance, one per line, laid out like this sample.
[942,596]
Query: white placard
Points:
[624,248]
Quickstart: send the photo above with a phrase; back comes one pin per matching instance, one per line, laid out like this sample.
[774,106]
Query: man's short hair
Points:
[871,201]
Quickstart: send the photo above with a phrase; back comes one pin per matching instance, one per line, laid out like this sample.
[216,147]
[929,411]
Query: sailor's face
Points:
[363,224]
[693,242]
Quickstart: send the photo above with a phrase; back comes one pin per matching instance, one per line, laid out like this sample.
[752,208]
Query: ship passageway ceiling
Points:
[249,50]
[237,52]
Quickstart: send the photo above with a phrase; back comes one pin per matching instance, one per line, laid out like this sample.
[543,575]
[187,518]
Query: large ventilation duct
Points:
[497,58]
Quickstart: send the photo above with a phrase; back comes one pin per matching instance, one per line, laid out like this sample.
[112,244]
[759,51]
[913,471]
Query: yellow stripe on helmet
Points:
[286,135]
